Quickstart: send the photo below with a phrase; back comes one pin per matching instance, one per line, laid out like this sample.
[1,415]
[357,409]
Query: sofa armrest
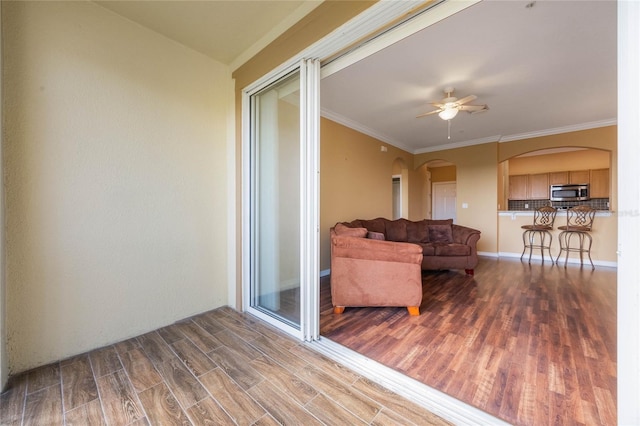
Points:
[364,248]
[465,235]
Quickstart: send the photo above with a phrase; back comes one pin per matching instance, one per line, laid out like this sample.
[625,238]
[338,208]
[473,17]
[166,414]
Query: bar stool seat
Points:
[543,219]
[578,228]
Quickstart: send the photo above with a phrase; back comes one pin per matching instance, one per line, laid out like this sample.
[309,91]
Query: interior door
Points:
[444,200]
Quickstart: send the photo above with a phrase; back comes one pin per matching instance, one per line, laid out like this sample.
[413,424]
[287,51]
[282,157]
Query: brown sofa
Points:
[378,262]
[444,244]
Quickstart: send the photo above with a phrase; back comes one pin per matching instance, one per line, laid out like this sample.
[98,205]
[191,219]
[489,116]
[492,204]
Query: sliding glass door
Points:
[283,133]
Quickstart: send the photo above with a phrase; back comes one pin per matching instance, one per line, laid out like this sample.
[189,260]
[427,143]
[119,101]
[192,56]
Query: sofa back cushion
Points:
[439,221]
[374,225]
[396,230]
[440,234]
[417,232]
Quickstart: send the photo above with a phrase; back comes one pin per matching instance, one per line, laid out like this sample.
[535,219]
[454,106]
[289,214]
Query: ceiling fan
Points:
[450,105]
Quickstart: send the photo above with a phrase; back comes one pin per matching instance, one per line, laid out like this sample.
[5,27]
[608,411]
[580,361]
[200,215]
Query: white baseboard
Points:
[572,260]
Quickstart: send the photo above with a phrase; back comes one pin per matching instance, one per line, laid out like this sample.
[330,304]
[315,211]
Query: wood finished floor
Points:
[530,344]
[218,368]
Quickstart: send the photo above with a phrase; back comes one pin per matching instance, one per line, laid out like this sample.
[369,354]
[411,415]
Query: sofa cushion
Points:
[396,230]
[428,249]
[374,225]
[345,231]
[417,232]
[375,236]
[453,249]
[440,234]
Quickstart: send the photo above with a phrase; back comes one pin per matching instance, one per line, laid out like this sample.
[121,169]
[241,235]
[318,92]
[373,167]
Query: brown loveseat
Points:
[378,262]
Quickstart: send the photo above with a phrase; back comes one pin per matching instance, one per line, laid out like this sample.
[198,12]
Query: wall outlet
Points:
[383,148]
[526,206]
[465,205]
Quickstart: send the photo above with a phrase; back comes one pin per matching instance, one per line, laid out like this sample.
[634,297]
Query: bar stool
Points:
[543,219]
[579,225]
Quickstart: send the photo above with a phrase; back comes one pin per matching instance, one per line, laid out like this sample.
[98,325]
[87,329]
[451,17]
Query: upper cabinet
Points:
[558,178]
[599,183]
[579,176]
[518,187]
[536,186]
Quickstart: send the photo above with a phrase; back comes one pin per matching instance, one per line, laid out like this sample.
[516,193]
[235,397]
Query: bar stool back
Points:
[578,227]
[543,219]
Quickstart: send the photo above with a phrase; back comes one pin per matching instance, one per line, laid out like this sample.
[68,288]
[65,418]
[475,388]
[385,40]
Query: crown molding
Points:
[559,130]
[458,144]
[341,119]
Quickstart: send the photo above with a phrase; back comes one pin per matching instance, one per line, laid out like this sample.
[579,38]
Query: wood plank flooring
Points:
[218,368]
[530,344]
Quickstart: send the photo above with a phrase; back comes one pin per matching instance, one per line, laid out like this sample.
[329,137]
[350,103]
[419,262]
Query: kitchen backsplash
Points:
[596,203]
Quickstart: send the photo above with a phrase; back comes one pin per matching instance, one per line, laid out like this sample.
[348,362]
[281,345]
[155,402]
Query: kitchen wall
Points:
[115,170]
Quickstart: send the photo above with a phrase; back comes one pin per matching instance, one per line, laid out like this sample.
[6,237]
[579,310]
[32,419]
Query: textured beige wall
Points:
[115,169]
[355,180]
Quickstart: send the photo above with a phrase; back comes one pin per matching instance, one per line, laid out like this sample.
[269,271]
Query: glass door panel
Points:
[275,201]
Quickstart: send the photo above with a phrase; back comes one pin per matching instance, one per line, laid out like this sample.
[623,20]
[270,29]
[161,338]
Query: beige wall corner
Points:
[116,168]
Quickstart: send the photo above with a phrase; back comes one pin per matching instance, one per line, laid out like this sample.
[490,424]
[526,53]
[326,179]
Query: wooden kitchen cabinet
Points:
[579,176]
[518,187]
[538,186]
[558,178]
[599,183]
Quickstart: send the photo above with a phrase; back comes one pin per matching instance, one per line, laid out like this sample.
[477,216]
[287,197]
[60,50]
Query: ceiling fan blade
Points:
[437,104]
[473,108]
[428,113]
[466,99]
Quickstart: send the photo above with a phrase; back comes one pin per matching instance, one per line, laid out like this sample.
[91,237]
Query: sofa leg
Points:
[469,271]
[414,311]
[338,309]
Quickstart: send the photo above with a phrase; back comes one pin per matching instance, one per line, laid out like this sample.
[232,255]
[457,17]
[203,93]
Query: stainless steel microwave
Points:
[574,192]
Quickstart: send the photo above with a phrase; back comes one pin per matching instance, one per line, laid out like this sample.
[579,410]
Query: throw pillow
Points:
[440,234]
[343,230]
[375,236]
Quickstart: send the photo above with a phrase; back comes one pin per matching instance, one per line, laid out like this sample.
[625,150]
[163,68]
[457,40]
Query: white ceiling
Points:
[227,31]
[542,69]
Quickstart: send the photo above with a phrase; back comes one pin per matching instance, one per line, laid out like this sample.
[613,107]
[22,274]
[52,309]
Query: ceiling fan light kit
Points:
[448,113]
[449,106]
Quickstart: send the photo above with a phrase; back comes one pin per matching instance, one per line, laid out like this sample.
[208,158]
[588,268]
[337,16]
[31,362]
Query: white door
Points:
[444,200]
